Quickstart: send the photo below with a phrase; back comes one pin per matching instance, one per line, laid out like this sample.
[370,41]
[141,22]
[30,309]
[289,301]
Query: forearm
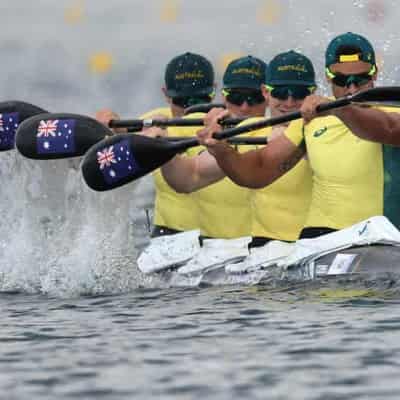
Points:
[371,124]
[245,169]
[188,174]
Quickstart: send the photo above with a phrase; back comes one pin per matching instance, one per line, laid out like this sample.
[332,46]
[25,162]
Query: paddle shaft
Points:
[227,133]
[139,124]
[234,141]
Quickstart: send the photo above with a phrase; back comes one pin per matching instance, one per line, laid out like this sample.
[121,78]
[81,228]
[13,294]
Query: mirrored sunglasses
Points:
[238,97]
[189,101]
[344,80]
[297,92]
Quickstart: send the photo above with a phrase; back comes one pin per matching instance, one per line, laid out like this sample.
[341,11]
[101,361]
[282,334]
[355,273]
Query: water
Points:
[222,343]
[78,319]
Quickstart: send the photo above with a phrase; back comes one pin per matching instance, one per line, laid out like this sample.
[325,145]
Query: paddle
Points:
[139,124]
[242,141]
[12,113]
[54,136]
[372,96]
[115,161]
[58,135]
[204,108]
[135,125]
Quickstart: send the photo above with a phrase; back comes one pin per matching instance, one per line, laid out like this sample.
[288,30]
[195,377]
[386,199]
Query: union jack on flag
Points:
[56,136]
[117,162]
[8,126]
[47,128]
[106,157]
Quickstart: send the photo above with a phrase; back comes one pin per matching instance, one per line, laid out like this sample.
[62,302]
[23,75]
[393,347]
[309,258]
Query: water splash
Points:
[60,238]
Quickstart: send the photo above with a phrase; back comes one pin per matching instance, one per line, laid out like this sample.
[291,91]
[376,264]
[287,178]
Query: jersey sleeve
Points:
[294,132]
[165,111]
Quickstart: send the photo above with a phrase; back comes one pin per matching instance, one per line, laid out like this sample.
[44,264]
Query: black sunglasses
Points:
[188,101]
[297,92]
[238,97]
[347,80]
[343,80]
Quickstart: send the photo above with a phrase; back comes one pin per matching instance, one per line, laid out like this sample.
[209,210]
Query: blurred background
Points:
[81,55]
[56,235]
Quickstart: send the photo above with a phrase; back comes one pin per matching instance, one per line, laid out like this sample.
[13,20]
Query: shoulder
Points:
[256,133]
[166,111]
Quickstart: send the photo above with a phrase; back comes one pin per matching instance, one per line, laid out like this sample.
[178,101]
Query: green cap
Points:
[349,47]
[290,68]
[245,72]
[189,74]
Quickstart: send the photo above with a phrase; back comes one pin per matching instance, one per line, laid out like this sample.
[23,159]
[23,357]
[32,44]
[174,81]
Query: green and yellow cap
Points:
[349,47]
[245,73]
[290,69]
[189,74]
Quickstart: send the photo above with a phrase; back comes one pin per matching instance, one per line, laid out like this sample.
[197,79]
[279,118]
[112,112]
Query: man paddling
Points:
[351,150]
[277,212]
[223,207]
[189,80]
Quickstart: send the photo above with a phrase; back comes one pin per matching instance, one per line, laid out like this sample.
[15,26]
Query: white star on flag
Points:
[106,157]
[47,128]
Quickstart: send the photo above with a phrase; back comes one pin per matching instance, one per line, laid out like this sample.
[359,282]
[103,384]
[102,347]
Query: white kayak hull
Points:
[367,249]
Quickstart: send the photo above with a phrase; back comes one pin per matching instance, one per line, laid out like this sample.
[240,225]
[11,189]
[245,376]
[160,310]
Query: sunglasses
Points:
[297,92]
[188,101]
[358,80]
[238,97]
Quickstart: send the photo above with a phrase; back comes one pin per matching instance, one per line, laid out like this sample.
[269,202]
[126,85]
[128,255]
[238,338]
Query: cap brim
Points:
[243,86]
[291,83]
[189,93]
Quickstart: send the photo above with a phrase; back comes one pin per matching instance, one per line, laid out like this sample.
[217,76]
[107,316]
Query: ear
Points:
[164,90]
[265,93]
[375,75]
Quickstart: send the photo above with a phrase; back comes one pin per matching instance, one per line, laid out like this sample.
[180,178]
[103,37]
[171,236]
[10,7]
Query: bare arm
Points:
[254,169]
[371,124]
[365,122]
[188,174]
[258,168]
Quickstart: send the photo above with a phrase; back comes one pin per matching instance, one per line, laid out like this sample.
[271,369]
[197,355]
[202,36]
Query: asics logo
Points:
[320,132]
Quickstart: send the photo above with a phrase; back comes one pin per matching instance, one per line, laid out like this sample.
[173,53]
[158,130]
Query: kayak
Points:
[368,249]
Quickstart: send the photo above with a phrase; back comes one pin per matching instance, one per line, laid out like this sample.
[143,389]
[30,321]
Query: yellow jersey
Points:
[171,209]
[353,179]
[279,210]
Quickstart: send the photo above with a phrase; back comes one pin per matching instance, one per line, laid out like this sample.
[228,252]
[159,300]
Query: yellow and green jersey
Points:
[353,179]
[279,210]
[171,209]
[223,207]
[223,210]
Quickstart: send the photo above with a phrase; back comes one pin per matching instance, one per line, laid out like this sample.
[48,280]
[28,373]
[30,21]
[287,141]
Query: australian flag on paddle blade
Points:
[8,126]
[116,162]
[56,136]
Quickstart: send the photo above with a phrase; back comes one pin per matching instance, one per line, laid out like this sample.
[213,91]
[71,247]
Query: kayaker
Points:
[351,150]
[279,211]
[223,207]
[189,80]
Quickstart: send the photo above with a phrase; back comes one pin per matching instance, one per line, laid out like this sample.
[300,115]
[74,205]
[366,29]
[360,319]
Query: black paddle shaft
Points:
[379,94]
[138,124]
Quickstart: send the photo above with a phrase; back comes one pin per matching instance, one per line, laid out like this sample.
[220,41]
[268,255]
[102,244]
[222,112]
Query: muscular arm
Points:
[258,168]
[371,124]
[188,174]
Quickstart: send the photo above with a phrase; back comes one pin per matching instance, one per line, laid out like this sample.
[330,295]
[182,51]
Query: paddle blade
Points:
[54,136]
[12,113]
[121,159]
